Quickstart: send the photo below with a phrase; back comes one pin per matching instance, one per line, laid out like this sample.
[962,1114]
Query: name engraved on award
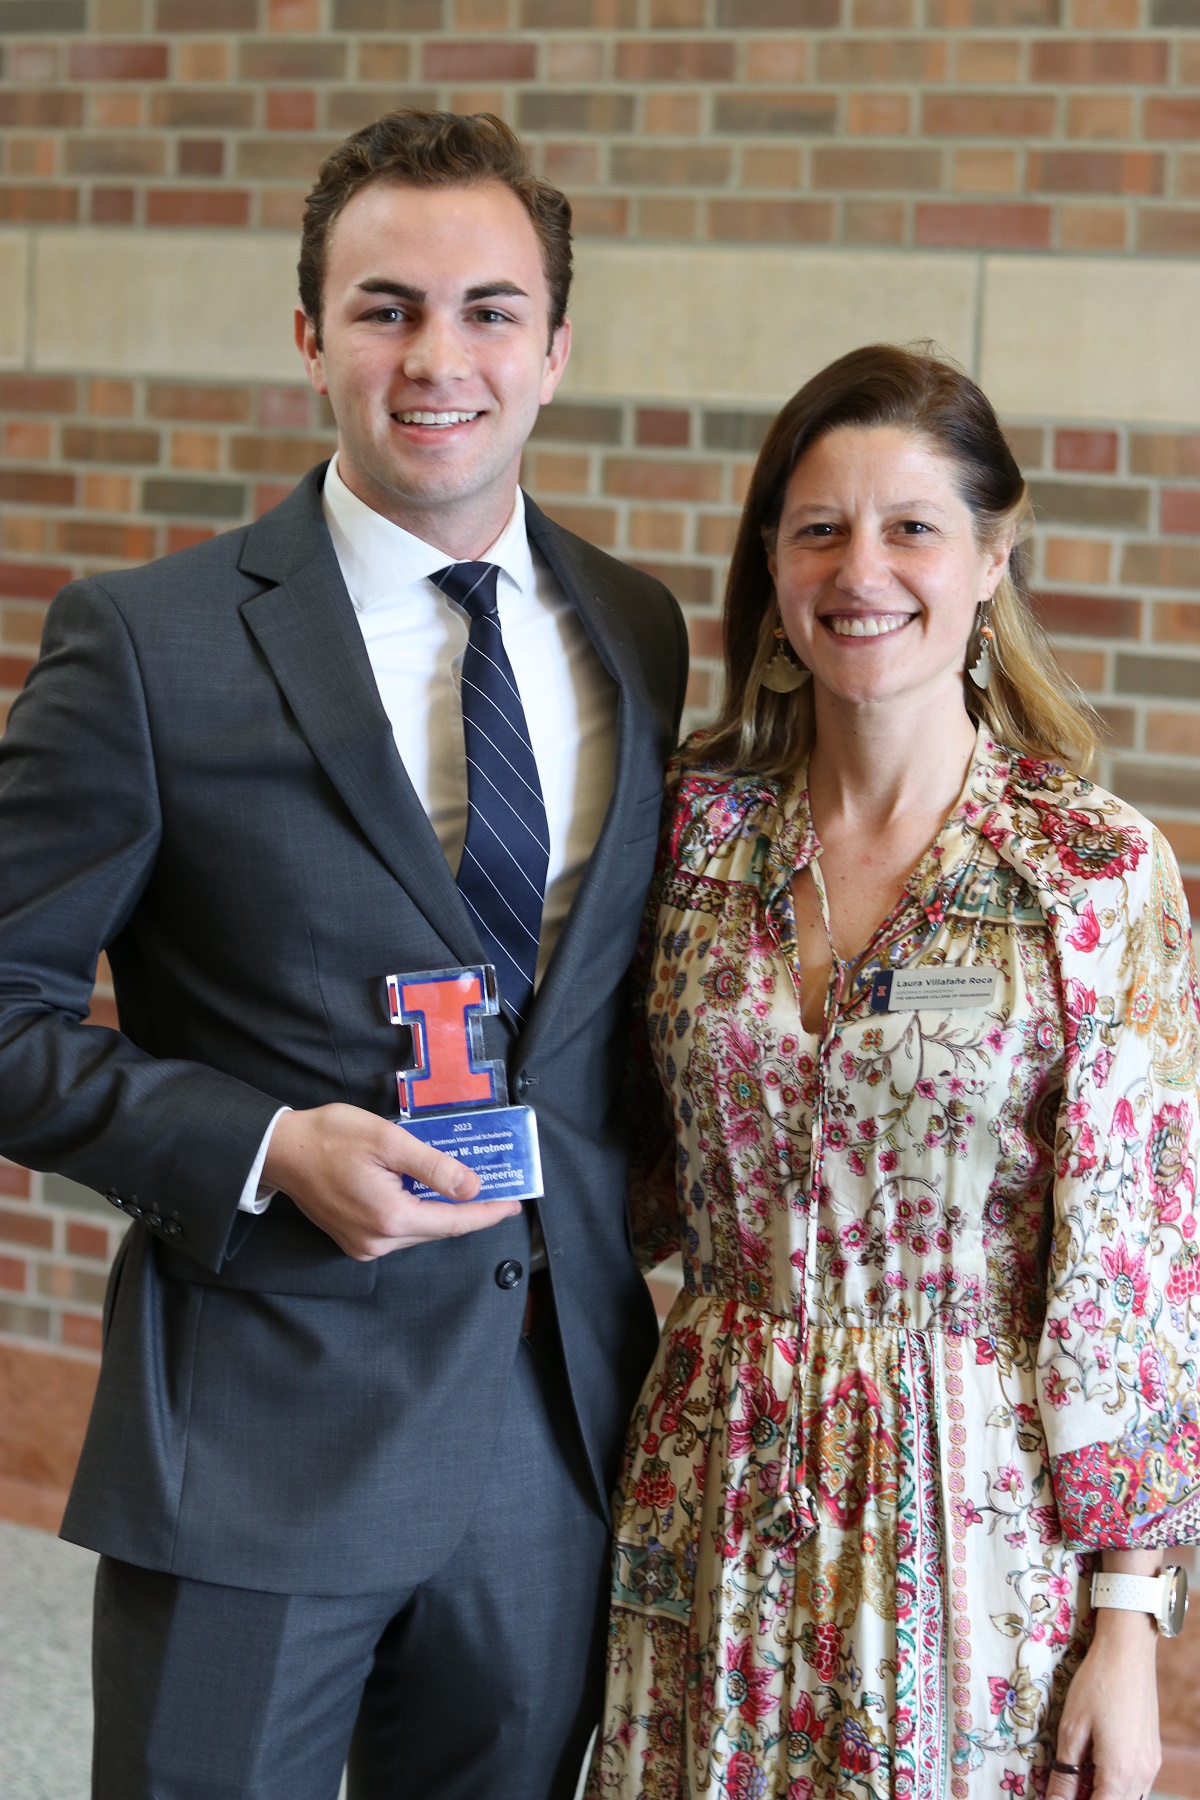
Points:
[455,1097]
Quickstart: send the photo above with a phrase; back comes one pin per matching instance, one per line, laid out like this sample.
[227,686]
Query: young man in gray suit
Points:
[349,1459]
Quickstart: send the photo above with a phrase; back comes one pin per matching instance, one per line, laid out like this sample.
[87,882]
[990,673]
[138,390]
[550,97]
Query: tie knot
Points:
[471,584]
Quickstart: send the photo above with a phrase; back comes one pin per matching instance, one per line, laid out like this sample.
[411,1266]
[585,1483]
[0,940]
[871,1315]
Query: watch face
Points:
[1177,1601]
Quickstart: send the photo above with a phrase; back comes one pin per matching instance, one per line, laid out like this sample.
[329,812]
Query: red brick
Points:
[14,1181]
[117,62]
[1171,116]
[39,205]
[598,215]
[1140,60]
[1174,230]
[191,400]
[675,59]
[979,225]
[109,399]
[283,408]
[663,428]
[1181,511]
[988,115]
[82,1332]
[13,670]
[113,542]
[206,15]
[30,1228]
[850,168]
[37,393]
[37,487]
[52,108]
[183,537]
[276,455]
[771,221]
[203,157]
[1095,172]
[292,109]
[107,443]
[706,637]
[498,61]
[112,206]
[1094,452]
[87,1240]
[32,581]
[268,494]
[197,206]
[1173,733]
[12,1274]
[1089,615]
[643,478]
[27,438]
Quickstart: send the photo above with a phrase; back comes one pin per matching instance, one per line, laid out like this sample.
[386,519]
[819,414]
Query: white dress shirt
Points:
[415,638]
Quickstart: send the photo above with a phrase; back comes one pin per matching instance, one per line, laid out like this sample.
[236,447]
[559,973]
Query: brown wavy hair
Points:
[433,149]
[1031,704]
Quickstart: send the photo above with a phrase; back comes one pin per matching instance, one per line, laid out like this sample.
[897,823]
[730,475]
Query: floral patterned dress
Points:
[940,1329]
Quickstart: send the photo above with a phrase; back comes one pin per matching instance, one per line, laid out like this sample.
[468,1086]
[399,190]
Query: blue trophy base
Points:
[500,1143]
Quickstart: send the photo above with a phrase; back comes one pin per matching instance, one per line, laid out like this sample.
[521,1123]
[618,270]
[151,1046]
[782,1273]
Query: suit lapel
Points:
[306,629]
[605,627]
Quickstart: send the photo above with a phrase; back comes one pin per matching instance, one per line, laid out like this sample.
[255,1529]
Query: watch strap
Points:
[1130,1593]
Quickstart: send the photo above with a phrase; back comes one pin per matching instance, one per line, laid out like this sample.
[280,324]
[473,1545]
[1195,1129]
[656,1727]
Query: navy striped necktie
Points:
[502,876]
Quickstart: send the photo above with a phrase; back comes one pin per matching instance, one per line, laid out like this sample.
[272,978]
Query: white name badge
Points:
[904,990]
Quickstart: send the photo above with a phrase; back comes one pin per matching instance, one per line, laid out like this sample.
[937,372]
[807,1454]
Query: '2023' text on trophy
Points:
[454,1097]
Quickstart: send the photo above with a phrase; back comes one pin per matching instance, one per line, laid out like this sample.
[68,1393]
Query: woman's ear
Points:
[997,563]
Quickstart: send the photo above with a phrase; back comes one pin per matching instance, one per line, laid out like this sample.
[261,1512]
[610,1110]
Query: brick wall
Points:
[1055,125]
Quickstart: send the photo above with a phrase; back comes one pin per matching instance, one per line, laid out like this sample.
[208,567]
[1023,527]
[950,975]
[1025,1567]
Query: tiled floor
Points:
[45,1698]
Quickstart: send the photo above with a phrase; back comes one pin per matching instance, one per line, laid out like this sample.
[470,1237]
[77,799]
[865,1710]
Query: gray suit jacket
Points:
[200,778]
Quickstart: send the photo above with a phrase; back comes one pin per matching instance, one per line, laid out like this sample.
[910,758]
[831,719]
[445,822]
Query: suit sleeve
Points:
[80,827]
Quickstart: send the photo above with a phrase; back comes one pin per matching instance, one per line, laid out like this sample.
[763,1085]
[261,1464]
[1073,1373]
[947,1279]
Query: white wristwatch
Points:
[1164,1597]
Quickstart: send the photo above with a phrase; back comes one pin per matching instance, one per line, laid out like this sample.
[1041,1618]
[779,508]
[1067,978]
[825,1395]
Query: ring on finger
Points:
[1065,1768]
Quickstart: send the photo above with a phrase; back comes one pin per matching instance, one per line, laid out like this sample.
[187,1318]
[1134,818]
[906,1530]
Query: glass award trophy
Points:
[452,1095]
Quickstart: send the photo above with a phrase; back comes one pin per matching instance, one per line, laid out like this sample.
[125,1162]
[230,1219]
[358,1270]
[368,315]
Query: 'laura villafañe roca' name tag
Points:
[904,990]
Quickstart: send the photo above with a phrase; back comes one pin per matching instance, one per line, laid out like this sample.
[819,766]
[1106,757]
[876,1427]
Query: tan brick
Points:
[276,455]
[38,205]
[1173,733]
[1161,565]
[1187,176]
[1100,116]
[792,114]
[850,168]
[108,399]
[1175,622]
[874,221]
[56,1281]
[654,528]
[108,493]
[882,15]
[193,400]
[597,524]
[991,60]
[1129,60]
[673,115]
[1106,15]
[282,158]
[116,112]
[314,59]
[715,533]
[988,115]
[294,15]
[195,450]
[214,109]
[1183,836]
[661,218]
[483,15]
[650,59]
[558,472]
[112,206]
[197,206]
[1118,726]
[1094,172]
[571,165]
[383,62]
[771,167]
[670,166]
[597,215]
[1078,559]
[24,625]
[54,109]
[854,59]
[878,115]
[37,157]
[97,443]
[771,221]
[1093,227]
[28,440]
[985,172]
[706,638]
[114,543]
[1164,453]
[202,62]
[640,478]
[23,533]
[776,59]
[677,15]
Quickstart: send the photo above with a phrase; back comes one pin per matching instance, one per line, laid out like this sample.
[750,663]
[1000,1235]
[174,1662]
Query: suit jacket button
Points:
[172,1228]
[131,1206]
[508,1275]
[114,1199]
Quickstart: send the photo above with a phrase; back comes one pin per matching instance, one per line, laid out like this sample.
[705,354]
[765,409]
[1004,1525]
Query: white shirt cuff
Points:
[255,1196]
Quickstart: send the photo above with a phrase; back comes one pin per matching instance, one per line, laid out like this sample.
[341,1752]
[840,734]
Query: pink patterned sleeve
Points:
[1120,1352]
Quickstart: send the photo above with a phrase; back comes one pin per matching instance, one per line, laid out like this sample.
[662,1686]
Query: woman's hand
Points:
[1110,1718]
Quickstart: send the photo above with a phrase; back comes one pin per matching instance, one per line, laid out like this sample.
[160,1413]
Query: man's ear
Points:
[307,343]
[556,362]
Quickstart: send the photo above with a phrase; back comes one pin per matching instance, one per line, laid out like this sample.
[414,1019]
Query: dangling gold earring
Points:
[783,674]
[980,670]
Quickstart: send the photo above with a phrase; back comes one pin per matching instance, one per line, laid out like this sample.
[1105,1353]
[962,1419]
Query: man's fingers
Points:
[436,1220]
[407,1155]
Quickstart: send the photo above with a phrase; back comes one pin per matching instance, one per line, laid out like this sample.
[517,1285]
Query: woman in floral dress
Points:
[922,1004]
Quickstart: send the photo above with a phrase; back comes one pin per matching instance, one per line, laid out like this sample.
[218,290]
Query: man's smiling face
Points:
[435,354]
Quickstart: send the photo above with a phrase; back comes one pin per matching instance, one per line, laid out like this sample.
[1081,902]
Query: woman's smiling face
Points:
[876,565]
